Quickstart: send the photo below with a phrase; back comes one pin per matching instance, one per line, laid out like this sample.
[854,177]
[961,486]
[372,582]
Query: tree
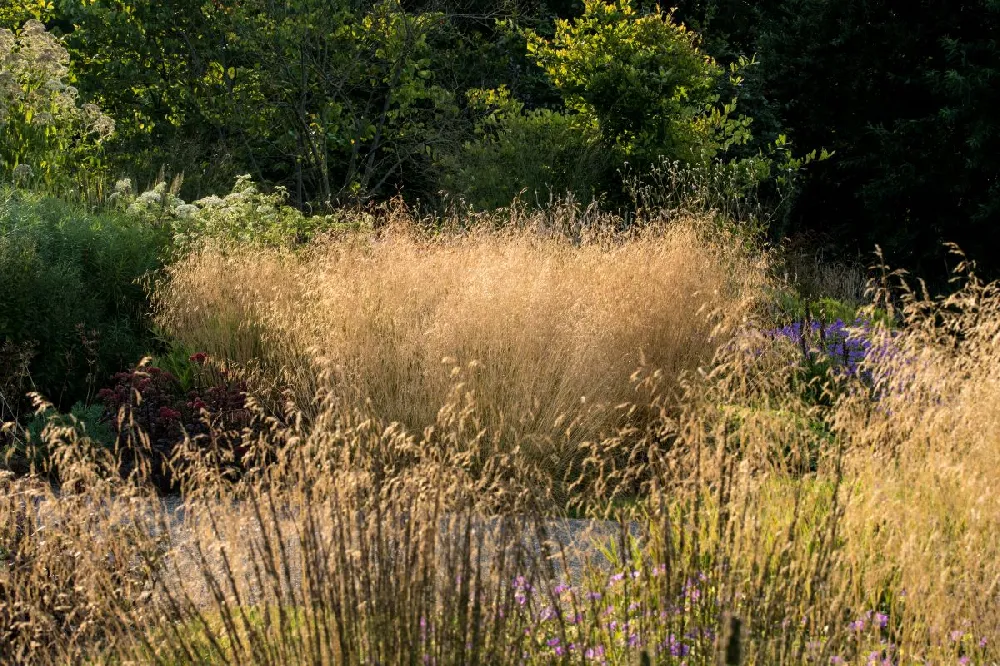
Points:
[46,134]
[334,100]
[635,89]
[15,13]
[539,153]
[168,73]
[642,81]
[352,92]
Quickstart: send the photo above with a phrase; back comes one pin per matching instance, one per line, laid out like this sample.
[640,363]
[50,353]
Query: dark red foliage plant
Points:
[151,416]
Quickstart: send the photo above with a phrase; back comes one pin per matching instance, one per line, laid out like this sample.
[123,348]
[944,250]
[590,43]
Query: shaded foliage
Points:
[46,135]
[151,414]
[71,306]
[905,95]
[361,100]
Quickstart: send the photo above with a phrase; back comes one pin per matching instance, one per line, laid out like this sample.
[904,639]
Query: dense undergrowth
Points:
[376,437]
[72,309]
[434,431]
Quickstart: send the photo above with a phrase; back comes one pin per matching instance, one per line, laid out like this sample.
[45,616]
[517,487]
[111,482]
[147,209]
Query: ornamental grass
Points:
[720,514]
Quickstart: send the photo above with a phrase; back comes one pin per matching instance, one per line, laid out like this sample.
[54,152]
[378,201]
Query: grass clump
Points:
[545,332]
[362,542]
[391,511]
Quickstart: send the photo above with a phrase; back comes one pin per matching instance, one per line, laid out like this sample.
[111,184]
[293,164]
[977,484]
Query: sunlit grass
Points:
[405,515]
[546,333]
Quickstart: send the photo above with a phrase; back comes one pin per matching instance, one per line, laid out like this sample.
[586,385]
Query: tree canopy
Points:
[352,101]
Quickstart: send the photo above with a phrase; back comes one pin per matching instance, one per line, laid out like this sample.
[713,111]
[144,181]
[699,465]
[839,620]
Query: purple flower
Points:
[957,635]
[594,652]
[552,642]
[843,346]
[633,640]
[882,620]
[675,647]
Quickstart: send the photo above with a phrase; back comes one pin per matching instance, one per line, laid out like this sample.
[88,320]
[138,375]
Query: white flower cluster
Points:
[34,94]
[23,173]
[245,215]
[123,186]
[157,205]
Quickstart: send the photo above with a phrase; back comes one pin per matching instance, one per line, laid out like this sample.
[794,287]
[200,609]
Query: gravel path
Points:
[581,540]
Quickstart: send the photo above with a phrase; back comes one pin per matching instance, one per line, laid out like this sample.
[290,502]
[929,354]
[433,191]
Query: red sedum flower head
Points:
[169,414]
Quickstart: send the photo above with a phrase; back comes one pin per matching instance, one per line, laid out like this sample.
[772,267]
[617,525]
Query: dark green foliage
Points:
[27,449]
[14,13]
[337,101]
[634,89]
[47,137]
[346,102]
[354,101]
[641,81]
[535,155]
[168,74]
[70,292]
[906,95]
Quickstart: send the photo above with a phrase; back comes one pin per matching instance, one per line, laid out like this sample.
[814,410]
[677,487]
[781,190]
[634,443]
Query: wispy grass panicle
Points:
[548,331]
[423,485]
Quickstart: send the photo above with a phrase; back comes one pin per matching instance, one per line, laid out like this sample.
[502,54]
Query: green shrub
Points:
[246,215]
[70,289]
[534,155]
[642,81]
[637,93]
